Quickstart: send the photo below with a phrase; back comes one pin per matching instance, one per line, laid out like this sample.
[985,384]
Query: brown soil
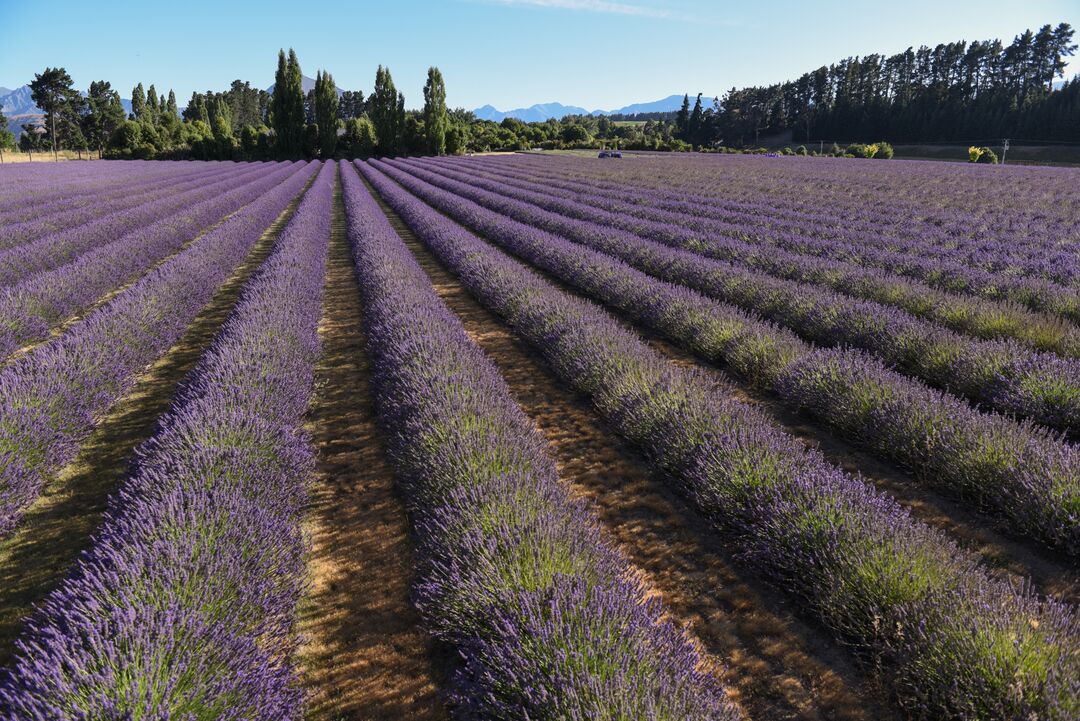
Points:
[364,655]
[60,524]
[777,665]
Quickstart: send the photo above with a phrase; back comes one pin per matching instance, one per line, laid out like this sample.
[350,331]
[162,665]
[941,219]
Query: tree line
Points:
[960,91]
[955,91]
[243,123]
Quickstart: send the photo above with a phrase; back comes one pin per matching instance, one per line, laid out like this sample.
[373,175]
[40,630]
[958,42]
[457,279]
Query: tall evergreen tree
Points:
[296,100]
[152,108]
[138,102]
[104,114]
[384,111]
[326,113]
[682,118]
[53,92]
[695,123]
[170,105]
[436,120]
[287,106]
[7,138]
[220,118]
[352,104]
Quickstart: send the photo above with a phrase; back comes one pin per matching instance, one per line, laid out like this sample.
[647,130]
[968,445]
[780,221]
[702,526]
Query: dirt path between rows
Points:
[364,655]
[778,666]
[59,525]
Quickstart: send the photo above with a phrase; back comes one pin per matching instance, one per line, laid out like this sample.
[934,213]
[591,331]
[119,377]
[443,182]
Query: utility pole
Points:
[1004,150]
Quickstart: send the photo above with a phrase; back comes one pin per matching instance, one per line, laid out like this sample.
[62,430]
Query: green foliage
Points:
[575,134]
[152,108]
[436,120]
[951,91]
[982,155]
[310,143]
[326,113]
[359,138]
[53,92]
[287,114]
[104,114]
[351,104]
[880,150]
[387,110]
[457,139]
[7,138]
[138,102]
[414,140]
[128,142]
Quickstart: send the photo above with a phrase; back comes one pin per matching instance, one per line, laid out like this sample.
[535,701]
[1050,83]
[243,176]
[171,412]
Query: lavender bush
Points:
[29,308]
[968,314]
[547,618]
[184,606]
[54,249]
[51,397]
[89,206]
[1020,472]
[960,644]
[929,247]
[1000,374]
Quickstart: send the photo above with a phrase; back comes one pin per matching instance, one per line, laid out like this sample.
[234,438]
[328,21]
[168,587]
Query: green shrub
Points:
[801,150]
[982,155]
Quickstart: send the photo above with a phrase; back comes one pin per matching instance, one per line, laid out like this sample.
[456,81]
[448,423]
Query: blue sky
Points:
[510,53]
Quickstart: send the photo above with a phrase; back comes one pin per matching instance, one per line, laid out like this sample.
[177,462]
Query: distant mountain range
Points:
[544,111]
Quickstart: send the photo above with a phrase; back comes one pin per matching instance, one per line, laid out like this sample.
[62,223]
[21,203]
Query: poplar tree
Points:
[682,119]
[138,102]
[295,98]
[326,113]
[384,105]
[287,105]
[152,103]
[436,120]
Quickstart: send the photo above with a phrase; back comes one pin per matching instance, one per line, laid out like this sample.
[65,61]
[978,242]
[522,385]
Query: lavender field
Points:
[540,436]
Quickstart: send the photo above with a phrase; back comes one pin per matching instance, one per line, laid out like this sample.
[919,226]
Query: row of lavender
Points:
[1021,473]
[512,571]
[976,316]
[31,307]
[184,606]
[129,192]
[1007,214]
[51,397]
[958,275]
[57,248]
[959,644]
[1001,374]
[28,186]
